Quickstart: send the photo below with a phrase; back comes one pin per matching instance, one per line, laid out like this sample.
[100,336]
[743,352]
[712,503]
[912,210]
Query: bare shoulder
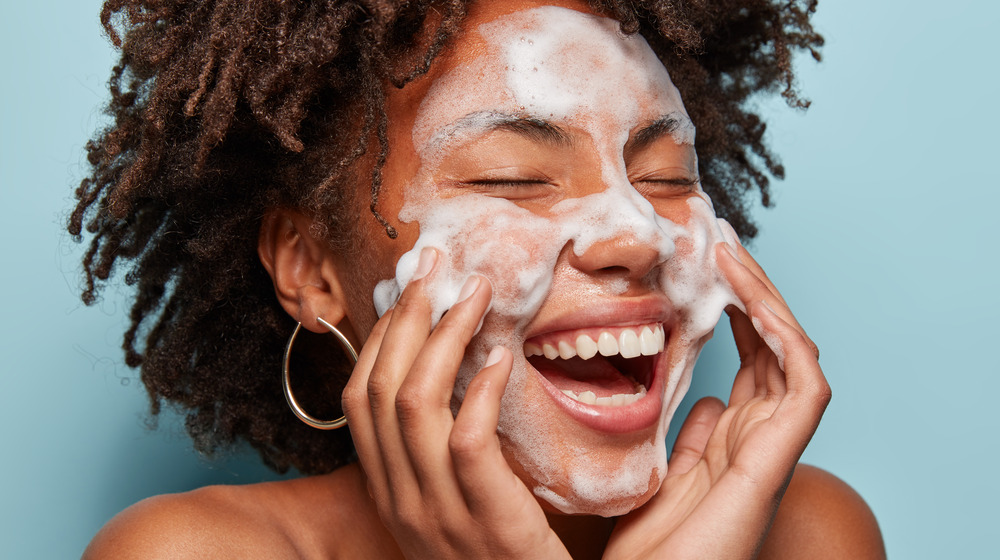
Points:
[301,518]
[822,517]
[215,521]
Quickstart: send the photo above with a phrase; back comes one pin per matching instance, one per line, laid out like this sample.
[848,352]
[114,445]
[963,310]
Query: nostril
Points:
[622,255]
[616,270]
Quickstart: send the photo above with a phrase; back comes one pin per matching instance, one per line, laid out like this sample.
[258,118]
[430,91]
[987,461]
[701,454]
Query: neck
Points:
[584,536]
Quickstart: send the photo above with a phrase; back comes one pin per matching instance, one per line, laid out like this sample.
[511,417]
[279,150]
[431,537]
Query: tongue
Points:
[596,375]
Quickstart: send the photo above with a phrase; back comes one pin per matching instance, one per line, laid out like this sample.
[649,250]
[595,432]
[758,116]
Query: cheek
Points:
[692,279]
[677,211]
[514,248]
[516,251]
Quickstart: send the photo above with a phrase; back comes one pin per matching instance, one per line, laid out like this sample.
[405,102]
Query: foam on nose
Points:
[619,211]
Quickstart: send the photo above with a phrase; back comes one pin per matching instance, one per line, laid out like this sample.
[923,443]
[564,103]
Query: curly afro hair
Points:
[224,109]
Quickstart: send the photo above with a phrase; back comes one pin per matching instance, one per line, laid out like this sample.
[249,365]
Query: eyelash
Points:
[689,184]
[508,182]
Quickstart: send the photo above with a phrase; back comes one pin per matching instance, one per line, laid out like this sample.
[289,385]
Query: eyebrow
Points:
[534,129]
[483,122]
[665,125]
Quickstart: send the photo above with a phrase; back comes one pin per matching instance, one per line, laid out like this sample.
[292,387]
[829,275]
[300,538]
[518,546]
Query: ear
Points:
[304,270]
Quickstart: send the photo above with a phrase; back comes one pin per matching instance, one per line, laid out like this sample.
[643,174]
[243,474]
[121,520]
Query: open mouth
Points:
[603,366]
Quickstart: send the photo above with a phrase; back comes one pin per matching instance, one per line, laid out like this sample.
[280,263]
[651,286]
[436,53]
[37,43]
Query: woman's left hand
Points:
[730,465]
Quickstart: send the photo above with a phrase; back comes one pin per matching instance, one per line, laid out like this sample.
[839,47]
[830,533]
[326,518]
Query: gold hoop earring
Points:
[286,379]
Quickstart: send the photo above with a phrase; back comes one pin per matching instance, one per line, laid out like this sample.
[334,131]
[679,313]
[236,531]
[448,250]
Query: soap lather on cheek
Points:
[478,235]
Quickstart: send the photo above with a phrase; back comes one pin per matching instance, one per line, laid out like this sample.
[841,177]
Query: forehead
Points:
[550,63]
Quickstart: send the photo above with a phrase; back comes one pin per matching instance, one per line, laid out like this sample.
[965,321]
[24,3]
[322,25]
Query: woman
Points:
[482,199]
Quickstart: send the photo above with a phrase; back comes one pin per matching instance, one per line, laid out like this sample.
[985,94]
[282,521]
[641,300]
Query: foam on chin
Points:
[538,73]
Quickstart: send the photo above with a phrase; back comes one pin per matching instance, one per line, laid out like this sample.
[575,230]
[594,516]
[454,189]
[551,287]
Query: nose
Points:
[626,254]
[619,232]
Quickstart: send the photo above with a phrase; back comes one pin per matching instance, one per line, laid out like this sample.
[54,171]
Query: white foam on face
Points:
[577,71]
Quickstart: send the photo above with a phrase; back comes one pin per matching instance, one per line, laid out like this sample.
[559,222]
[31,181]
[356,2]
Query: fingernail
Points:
[428,256]
[496,354]
[468,289]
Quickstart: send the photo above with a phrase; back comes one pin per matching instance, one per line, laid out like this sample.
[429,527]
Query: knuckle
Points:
[407,522]
[353,399]
[466,443]
[399,508]
[379,390]
[409,404]
[404,518]
[454,530]
[824,393]
[818,394]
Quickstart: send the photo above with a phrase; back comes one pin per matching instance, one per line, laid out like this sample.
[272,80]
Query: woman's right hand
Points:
[731,465]
[440,482]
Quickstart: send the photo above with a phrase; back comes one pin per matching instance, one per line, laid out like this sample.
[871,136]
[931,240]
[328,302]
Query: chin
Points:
[585,487]
[576,505]
[600,505]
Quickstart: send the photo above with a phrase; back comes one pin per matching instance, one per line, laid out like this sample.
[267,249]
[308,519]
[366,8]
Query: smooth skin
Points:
[431,484]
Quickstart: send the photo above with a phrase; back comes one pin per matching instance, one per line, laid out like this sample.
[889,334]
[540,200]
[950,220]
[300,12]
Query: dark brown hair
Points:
[223,109]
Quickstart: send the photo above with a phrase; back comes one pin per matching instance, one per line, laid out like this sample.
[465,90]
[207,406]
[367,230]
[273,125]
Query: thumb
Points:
[694,434]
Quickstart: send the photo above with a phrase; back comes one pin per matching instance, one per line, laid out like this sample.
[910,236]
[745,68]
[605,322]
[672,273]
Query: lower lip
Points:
[634,417]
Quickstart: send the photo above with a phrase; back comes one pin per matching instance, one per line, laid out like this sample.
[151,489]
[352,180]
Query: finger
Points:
[405,334]
[484,476]
[358,411]
[408,328]
[743,387]
[694,435]
[747,344]
[749,287]
[751,263]
[808,392]
[744,256]
[745,335]
[772,364]
[768,365]
[423,403]
[775,378]
[762,360]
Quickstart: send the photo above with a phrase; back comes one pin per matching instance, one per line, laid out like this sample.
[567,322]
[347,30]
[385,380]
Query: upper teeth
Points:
[647,342]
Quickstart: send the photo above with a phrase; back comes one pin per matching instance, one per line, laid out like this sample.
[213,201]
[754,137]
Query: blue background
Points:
[880,242]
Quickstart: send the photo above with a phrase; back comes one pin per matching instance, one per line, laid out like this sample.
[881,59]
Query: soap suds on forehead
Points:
[582,76]
[578,72]
[581,71]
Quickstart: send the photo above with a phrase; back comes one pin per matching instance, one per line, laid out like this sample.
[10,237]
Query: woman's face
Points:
[553,155]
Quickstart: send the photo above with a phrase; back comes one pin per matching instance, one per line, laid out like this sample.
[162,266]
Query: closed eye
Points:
[508,182]
[666,187]
[511,188]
